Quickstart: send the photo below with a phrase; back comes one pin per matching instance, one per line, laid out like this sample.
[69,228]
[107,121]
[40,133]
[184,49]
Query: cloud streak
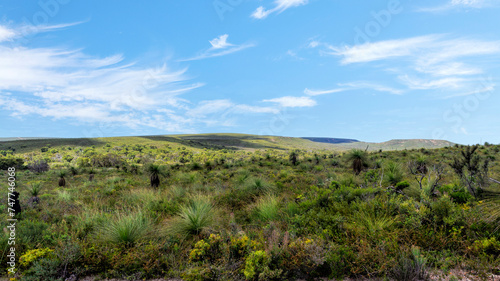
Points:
[279,6]
[62,83]
[460,5]
[220,47]
[425,62]
[289,101]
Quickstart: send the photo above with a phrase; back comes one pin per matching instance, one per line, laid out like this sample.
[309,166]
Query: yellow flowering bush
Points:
[32,255]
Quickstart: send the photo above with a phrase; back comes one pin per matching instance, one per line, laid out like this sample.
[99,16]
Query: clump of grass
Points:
[193,217]
[64,196]
[126,229]
[267,208]
[369,223]
[411,267]
[141,196]
[258,186]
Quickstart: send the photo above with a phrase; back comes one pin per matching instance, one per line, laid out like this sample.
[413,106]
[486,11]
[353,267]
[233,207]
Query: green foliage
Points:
[256,263]
[267,208]
[402,185]
[314,219]
[9,161]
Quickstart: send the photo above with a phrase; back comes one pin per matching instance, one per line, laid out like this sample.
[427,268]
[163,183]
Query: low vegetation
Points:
[144,208]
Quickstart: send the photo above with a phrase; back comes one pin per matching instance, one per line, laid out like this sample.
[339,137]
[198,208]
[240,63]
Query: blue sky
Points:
[369,70]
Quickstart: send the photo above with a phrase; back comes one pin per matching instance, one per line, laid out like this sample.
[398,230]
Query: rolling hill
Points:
[223,141]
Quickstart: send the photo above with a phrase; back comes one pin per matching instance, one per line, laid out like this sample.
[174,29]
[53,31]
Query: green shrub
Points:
[256,263]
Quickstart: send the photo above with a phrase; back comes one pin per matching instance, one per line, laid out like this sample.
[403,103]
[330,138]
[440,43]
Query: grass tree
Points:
[358,158]
[293,157]
[62,180]
[154,171]
[34,190]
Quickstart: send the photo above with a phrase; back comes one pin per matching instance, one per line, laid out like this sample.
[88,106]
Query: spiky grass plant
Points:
[267,208]
[368,222]
[393,173]
[193,217]
[358,158]
[125,228]
[258,186]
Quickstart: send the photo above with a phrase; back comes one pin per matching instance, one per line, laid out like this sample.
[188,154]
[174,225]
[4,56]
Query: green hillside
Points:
[216,141]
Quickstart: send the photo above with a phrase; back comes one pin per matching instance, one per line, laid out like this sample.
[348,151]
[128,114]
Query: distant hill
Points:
[399,144]
[331,140]
[221,141]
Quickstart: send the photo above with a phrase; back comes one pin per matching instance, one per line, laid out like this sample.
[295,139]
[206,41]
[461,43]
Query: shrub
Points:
[6,162]
[402,185]
[32,255]
[256,263]
[38,166]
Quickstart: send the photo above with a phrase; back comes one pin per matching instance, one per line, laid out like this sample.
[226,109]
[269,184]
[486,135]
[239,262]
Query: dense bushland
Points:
[166,210]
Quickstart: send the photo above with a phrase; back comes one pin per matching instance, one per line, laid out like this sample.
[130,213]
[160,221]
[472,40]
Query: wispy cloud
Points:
[372,86]
[220,47]
[8,33]
[289,101]
[425,62]
[279,6]
[460,5]
[343,87]
[310,92]
[63,83]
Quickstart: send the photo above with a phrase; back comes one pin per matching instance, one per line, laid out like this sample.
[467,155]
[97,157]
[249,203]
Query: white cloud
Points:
[460,4]
[62,83]
[353,86]
[424,62]
[424,84]
[372,86]
[220,42]
[280,6]
[6,34]
[369,52]
[220,47]
[289,101]
[322,92]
